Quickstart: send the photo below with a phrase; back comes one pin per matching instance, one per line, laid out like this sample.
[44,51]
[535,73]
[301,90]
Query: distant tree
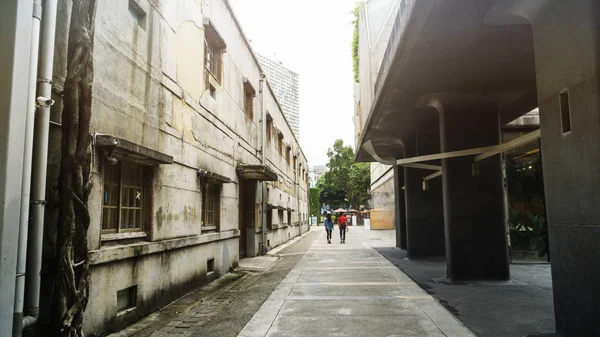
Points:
[359,181]
[329,194]
[346,183]
[341,159]
[315,205]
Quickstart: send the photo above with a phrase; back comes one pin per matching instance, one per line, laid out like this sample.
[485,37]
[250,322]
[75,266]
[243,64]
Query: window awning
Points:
[291,209]
[257,172]
[212,178]
[121,148]
[281,208]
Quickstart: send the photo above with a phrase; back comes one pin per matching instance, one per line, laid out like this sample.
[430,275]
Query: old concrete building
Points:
[453,75]
[376,19]
[194,165]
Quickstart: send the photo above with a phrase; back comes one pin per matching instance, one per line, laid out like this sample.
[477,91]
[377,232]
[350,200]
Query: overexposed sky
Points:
[312,38]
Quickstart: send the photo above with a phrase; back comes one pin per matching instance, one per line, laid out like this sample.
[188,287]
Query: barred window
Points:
[123,198]
[211,208]
[213,52]
[249,93]
[269,127]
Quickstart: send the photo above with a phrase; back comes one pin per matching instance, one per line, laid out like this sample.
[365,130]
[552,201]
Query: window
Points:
[288,151]
[295,163]
[270,220]
[565,111]
[211,208]
[280,144]
[137,14]
[289,219]
[123,198]
[269,127]
[249,99]
[126,299]
[214,47]
[280,217]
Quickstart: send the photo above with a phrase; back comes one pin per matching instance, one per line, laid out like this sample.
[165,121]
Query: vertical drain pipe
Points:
[40,161]
[27,158]
[263,114]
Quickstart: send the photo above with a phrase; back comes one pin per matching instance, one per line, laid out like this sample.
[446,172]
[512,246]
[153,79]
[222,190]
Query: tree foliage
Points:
[358,184]
[74,182]
[346,183]
[355,56]
[315,205]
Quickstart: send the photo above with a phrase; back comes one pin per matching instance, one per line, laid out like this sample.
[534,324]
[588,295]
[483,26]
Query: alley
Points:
[351,290]
[309,288]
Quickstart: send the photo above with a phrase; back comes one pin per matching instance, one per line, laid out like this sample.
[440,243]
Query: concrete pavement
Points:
[350,290]
[520,307]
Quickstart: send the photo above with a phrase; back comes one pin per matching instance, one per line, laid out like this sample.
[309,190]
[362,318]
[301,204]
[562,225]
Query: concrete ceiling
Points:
[447,49]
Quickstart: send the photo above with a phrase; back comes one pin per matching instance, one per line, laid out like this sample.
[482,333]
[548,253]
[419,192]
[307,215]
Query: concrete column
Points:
[424,209]
[568,85]
[476,243]
[15,35]
[400,208]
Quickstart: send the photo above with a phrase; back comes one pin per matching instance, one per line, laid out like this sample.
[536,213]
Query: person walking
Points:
[342,224]
[328,227]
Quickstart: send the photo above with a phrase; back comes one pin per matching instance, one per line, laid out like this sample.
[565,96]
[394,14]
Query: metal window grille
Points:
[123,198]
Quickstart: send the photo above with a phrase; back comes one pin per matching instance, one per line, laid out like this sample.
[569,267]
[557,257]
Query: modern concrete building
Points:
[376,19]
[452,75]
[194,163]
[286,86]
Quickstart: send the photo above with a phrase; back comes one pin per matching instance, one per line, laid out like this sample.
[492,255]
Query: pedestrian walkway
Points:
[350,290]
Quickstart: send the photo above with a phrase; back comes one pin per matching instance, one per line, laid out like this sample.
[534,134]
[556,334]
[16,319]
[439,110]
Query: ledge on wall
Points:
[212,178]
[122,148]
[257,172]
[117,253]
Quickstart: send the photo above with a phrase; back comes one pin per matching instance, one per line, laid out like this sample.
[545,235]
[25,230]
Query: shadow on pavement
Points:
[518,308]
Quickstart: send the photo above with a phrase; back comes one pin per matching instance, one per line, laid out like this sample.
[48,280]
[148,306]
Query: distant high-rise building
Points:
[286,87]
[315,173]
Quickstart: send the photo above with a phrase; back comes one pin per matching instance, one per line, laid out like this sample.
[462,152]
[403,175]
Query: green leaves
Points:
[355,56]
[346,183]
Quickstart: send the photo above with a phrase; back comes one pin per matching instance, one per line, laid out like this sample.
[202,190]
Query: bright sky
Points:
[312,38]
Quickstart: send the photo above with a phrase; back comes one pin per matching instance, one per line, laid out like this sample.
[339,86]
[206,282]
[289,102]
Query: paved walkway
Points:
[351,290]
[520,307]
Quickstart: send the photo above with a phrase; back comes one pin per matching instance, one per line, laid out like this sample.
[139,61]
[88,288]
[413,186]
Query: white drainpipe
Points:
[263,114]
[40,162]
[27,158]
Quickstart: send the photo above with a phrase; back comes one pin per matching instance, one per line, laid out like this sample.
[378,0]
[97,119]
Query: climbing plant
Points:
[74,182]
[355,56]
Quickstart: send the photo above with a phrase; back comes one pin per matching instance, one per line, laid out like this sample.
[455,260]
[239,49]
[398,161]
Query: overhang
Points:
[256,172]
[212,178]
[446,48]
[122,148]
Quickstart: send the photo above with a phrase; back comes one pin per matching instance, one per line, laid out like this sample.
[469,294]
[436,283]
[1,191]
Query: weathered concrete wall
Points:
[375,26]
[382,201]
[382,187]
[374,29]
[150,89]
[15,36]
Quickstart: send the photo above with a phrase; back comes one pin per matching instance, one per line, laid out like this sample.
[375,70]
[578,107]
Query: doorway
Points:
[247,213]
